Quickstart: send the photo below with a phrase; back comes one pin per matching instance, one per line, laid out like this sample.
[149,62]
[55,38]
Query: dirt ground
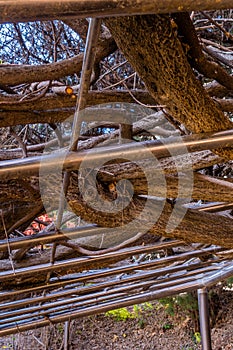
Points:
[152,328]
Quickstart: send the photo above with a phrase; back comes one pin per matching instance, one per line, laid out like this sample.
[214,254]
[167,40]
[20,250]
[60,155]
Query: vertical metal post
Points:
[66,334]
[88,62]
[204,319]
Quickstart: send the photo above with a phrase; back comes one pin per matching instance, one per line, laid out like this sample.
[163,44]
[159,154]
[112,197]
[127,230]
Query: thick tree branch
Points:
[58,106]
[18,74]
[24,11]
[212,229]
[79,25]
[214,89]
[14,74]
[172,165]
[161,63]
[198,60]
[205,188]
[21,195]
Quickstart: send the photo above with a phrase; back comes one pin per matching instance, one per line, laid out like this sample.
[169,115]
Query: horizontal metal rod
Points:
[72,281]
[101,289]
[188,268]
[51,237]
[28,10]
[134,151]
[65,265]
[214,208]
[67,234]
[124,302]
[93,298]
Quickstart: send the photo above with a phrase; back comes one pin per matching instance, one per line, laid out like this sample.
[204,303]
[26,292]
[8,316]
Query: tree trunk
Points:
[152,46]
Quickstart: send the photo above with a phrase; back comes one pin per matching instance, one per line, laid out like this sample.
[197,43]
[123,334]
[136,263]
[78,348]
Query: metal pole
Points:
[66,334]
[28,10]
[204,319]
[138,150]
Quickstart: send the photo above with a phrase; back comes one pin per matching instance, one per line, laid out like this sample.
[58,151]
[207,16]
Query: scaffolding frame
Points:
[100,291]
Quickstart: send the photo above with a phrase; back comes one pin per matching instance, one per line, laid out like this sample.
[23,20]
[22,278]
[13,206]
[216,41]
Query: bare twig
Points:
[8,244]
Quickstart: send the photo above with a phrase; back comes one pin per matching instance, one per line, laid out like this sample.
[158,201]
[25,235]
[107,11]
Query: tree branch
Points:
[162,64]
[209,69]
[14,74]
[24,11]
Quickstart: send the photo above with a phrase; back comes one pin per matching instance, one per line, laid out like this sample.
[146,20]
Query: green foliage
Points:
[60,328]
[229,282]
[167,326]
[188,302]
[123,314]
[169,305]
[197,337]
[185,302]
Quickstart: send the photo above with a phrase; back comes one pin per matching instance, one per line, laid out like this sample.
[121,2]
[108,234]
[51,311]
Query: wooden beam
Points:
[28,10]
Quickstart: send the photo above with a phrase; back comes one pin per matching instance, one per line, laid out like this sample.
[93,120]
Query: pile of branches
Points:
[179,65]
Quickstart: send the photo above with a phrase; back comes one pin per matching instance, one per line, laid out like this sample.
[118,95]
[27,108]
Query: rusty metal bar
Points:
[123,302]
[90,299]
[78,296]
[190,269]
[28,10]
[83,298]
[204,319]
[136,151]
[73,281]
[51,237]
[215,207]
[65,265]
[67,234]
[88,63]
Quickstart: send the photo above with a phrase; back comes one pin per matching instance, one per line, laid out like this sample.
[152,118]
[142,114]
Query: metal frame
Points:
[137,151]
[90,293]
[27,10]
[99,291]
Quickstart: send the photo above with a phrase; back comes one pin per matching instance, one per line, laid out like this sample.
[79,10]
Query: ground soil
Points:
[151,329]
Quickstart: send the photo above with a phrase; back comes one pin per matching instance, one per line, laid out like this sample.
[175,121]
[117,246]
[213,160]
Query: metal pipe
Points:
[44,237]
[87,299]
[215,207]
[116,270]
[103,307]
[126,301]
[66,305]
[51,237]
[66,335]
[136,151]
[65,265]
[88,63]
[27,10]
[189,269]
[87,67]
[204,319]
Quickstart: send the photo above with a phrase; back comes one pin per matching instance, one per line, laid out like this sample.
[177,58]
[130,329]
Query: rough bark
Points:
[58,106]
[23,11]
[205,188]
[212,229]
[22,196]
[129,170]
[152,46]
[14,74]
[198,60]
